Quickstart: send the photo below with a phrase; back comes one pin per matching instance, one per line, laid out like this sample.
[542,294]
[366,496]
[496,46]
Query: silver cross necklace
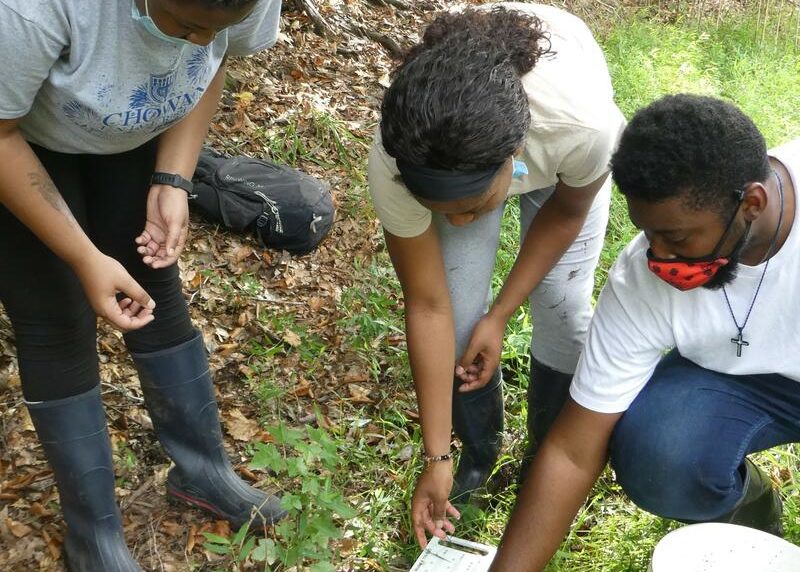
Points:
[739,340]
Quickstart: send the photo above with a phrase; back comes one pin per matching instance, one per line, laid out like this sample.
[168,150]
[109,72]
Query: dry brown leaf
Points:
[191,538]
[171,527]
[26,423]
[355,375]
[302,389]
[38,510]
[18,529]
[359,393]
[195,281]
[292,338]
[53,544]
[227,349]
[242,253]
[222,528]
[240,427]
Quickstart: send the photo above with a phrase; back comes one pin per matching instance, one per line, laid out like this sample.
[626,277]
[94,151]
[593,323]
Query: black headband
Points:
[442,185]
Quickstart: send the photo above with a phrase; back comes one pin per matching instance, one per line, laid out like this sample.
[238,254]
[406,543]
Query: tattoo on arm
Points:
[41,182]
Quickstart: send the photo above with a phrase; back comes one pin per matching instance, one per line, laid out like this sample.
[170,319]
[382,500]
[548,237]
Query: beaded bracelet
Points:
[428,459]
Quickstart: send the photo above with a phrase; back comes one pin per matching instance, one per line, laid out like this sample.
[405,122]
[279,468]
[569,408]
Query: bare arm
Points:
[166,229]
[429,330]
[179,146]
[551,233]
[563,472]
[431,347]
[29,193]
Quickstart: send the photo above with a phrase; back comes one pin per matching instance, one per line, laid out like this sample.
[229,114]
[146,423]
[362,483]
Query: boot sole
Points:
[183,498]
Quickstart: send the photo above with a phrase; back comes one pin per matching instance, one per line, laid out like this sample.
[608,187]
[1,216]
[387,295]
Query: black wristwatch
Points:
[173,180]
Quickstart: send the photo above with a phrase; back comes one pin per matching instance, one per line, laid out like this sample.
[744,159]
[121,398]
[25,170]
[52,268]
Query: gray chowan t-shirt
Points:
[87,78]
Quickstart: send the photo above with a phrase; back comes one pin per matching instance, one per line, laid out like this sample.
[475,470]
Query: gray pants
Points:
[560,305]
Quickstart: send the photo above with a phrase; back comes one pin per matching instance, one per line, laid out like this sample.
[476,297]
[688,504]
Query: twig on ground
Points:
[130,499]
[321,25]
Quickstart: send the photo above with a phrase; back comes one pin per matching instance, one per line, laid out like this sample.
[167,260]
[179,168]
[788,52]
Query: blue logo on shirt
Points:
[153,105]
[160,86]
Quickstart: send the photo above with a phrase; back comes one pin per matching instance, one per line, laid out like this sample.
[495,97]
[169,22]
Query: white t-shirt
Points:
[575,124]
[87,78]
[639,316]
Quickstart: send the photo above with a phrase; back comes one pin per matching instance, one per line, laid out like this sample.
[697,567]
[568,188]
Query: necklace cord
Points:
[768,257]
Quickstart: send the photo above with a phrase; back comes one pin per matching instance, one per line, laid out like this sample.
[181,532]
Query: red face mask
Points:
[685,273]
[688,273]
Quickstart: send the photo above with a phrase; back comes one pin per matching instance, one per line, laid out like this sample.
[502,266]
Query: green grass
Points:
[741,62]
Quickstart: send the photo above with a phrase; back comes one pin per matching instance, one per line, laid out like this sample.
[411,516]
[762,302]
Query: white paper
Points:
[454,555]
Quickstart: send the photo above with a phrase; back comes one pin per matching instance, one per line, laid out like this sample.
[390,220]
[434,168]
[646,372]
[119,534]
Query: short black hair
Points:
[700,148]
[456,100]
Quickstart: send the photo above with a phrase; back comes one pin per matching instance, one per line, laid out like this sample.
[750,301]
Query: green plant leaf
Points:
[268,457]
[290,501]
[240,534]
[246,549]
[221,549]
[215,538]
[265,551]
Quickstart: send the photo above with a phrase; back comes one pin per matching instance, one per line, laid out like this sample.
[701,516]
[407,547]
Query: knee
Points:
[172,324]
[665,470]
[57,359]
[56,338]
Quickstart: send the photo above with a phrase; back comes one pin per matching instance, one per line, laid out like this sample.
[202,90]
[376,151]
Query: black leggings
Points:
[54,325]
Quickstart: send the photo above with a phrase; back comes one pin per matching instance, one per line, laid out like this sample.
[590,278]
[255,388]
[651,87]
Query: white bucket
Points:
[716,547]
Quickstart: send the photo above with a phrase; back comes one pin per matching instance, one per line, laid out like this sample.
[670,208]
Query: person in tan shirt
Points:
[506,99]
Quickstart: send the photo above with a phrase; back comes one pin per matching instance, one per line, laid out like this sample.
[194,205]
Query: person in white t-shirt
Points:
[714,281]
[506,99]
[104,107]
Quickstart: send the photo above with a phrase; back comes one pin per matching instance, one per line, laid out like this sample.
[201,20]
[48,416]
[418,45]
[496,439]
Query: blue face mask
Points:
[151,27]
[520,169]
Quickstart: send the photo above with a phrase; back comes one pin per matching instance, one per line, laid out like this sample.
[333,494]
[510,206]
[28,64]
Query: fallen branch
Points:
[321,25]
[395,49]
[349,27]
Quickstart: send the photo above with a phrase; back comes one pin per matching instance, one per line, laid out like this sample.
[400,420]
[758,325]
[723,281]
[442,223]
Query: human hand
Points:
[482,356]
[167,225]
[430,506]
[102,279]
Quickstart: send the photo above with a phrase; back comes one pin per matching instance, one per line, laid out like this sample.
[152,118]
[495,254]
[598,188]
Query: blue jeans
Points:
[678,451]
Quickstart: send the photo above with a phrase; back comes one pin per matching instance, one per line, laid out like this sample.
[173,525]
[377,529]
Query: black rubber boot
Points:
[74,435]
[547,391]
[760,506]
[179,395]
[478,423]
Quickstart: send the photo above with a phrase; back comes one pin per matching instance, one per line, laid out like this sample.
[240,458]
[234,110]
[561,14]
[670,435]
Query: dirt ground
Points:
[304,75]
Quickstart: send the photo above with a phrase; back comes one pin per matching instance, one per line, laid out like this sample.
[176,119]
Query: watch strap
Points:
[173,180]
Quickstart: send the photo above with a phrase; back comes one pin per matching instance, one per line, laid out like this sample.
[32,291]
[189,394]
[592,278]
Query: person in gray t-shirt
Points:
[104,107]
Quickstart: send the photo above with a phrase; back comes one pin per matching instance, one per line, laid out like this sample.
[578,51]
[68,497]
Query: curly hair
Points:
[456,100]
[699,148]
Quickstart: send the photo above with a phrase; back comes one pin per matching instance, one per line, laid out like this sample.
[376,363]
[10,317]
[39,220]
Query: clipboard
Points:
[454,555]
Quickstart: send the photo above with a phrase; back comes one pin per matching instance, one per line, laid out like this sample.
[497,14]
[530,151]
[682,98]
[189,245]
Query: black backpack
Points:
[284,208]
